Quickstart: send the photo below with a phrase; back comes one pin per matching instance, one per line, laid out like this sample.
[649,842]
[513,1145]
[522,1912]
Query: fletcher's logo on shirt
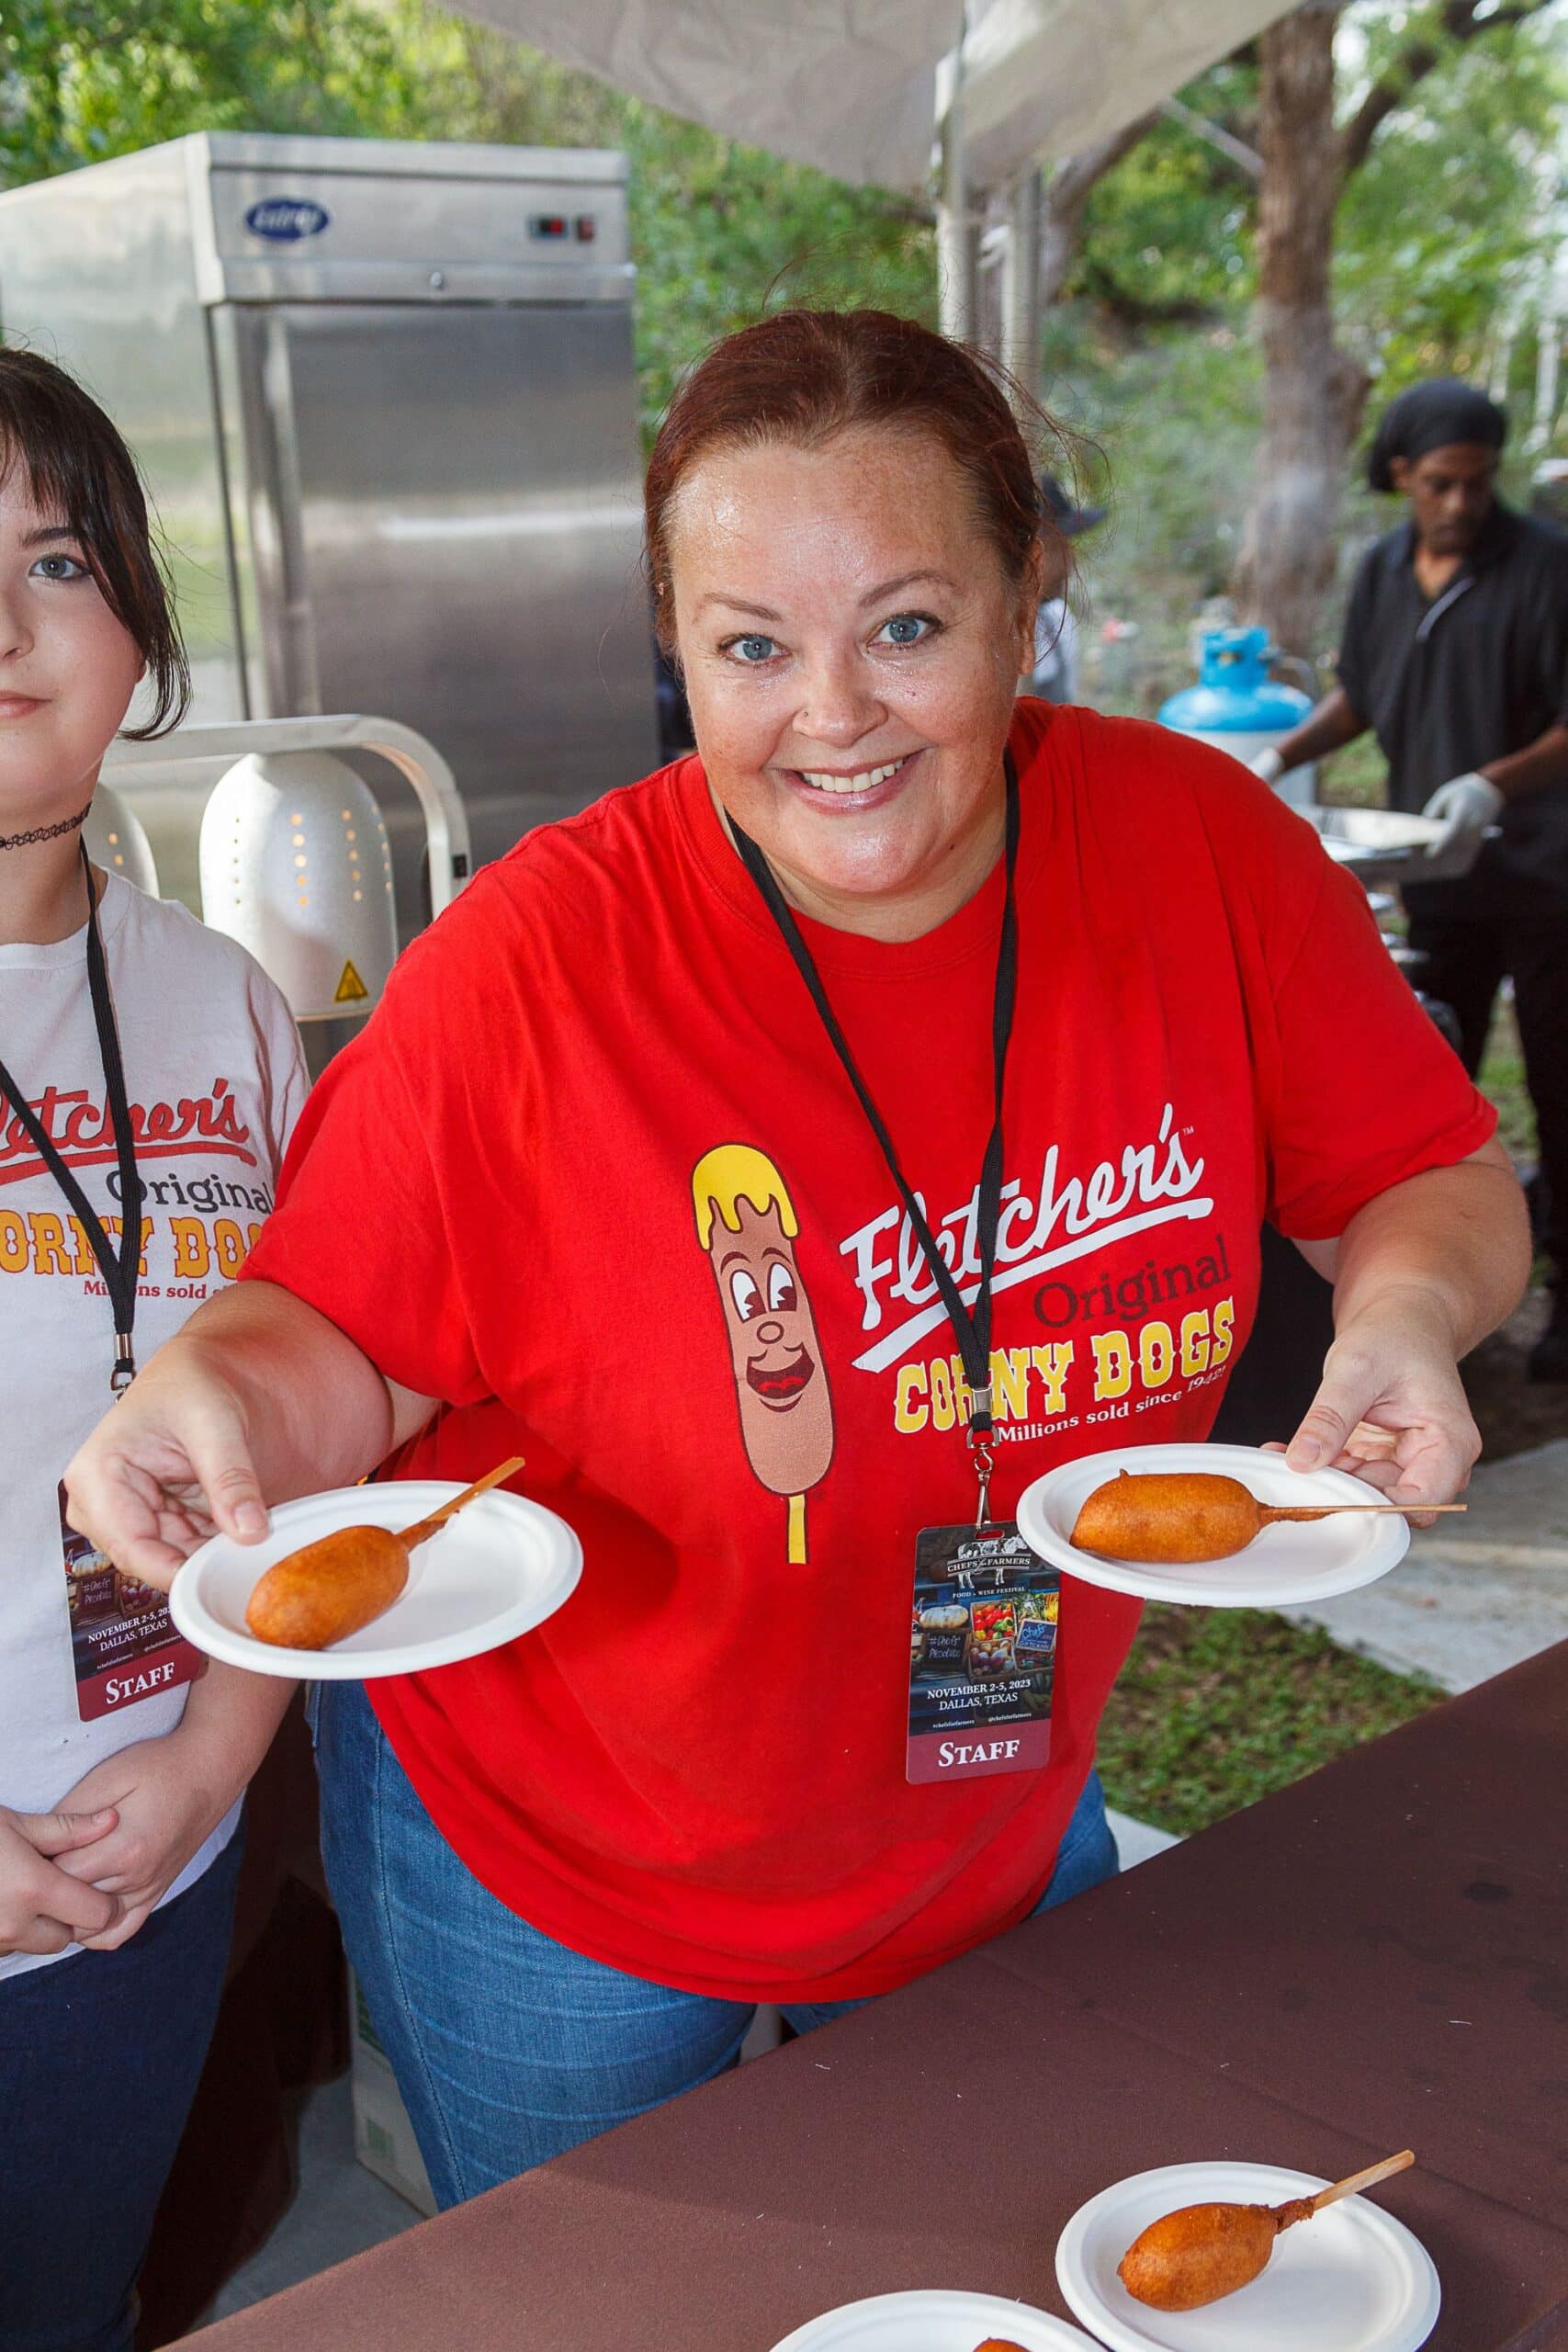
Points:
[748,1226]
[78,1125]
[1149,1184]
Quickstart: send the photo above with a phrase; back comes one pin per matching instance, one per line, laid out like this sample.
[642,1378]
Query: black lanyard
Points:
[120,1273]
[972,1327]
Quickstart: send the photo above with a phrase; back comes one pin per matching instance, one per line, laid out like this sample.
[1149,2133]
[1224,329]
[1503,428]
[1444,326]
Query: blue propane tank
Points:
[1240,708]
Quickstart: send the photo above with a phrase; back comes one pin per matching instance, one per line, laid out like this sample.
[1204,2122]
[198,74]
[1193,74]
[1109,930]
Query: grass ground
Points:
[1217,1707]
[1356,777]
[1503,1082]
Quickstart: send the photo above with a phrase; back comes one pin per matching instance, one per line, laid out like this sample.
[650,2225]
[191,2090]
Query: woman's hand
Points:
[1420,1274]
[166,1467]
[43,1906]
[258,1399]
[165,1797]
[1391,1406]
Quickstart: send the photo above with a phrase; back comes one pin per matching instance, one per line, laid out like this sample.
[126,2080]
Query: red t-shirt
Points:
[530,1189]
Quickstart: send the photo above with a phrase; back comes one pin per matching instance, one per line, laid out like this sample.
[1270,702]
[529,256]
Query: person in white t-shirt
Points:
[139,1055]
[1055,677]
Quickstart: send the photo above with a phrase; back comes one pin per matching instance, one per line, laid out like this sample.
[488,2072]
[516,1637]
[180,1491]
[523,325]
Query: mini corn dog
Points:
[1174,1517]
[1195,2255]
[1202,2252]
[328,1590]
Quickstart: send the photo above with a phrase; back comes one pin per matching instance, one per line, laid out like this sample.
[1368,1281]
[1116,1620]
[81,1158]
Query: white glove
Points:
[1266,765]
[1464,807]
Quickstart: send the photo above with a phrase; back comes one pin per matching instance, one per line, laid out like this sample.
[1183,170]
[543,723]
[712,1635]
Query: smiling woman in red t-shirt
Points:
[596,1186]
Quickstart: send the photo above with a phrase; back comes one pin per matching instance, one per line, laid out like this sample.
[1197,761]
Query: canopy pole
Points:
[1021,281]
[954,235]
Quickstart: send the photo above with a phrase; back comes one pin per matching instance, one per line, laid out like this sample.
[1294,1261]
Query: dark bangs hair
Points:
[77,466]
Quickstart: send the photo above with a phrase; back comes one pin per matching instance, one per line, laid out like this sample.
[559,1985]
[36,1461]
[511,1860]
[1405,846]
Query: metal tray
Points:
[1382,846]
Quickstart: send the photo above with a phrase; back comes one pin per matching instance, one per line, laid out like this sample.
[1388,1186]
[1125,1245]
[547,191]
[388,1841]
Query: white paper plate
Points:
[502,1567]
[929,2319]
[1284,1564]
[1351,2279]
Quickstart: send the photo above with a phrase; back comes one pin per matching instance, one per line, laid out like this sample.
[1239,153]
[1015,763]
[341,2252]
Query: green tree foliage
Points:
[82,79]
[1441,226]
[1174,421]
[1438,226]
[1454,204]
[722,232]
[1168,236]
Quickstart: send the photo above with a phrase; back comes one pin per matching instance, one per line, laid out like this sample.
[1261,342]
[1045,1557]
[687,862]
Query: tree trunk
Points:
[1314,394]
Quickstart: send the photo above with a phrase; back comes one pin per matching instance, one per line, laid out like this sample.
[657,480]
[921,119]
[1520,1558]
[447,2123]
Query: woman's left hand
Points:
[1391,1406]
[170,1794]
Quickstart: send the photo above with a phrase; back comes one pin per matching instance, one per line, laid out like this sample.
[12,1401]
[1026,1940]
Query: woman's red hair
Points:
[801,377]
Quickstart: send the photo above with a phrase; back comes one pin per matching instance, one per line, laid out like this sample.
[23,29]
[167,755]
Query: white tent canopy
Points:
[852,85]
[1047,78]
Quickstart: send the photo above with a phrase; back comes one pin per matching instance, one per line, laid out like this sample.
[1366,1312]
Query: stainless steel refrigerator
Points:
[383,395]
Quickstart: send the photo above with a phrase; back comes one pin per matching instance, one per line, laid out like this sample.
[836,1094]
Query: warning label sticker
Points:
[351,989]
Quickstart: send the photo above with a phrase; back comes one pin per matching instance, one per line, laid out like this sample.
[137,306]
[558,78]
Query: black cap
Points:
[1069,519]
[1436,416]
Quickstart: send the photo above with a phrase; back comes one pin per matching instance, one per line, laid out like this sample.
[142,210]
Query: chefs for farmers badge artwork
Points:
[747,1224]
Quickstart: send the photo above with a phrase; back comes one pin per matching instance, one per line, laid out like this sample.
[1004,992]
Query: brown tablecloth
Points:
[1375,1958]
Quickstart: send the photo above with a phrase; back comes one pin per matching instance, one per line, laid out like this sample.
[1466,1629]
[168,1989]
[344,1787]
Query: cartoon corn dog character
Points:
[747,1224]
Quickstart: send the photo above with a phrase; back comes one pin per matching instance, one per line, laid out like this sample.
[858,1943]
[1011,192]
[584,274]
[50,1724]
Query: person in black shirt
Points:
[1455,652]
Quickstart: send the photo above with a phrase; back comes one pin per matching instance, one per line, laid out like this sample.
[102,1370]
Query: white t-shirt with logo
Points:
[215,1079]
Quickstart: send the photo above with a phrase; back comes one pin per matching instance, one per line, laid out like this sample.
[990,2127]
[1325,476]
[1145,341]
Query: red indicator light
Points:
[549,224]
[587,227]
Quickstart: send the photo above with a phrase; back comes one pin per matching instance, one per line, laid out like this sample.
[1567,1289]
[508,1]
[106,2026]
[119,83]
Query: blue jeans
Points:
[509,2048]
[99,2059]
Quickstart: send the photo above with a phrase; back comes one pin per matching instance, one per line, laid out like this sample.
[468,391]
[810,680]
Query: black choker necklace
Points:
[44,833]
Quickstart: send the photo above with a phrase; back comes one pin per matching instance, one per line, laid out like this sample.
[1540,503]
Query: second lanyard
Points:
[971,1326]
[118,1267]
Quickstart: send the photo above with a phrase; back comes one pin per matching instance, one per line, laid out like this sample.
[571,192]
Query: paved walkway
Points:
[1475,1595]
[339,2209]
[1136,1840]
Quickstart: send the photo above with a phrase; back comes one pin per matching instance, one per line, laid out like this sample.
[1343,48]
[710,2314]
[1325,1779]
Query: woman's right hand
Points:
[166,1467]
[42,1909]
